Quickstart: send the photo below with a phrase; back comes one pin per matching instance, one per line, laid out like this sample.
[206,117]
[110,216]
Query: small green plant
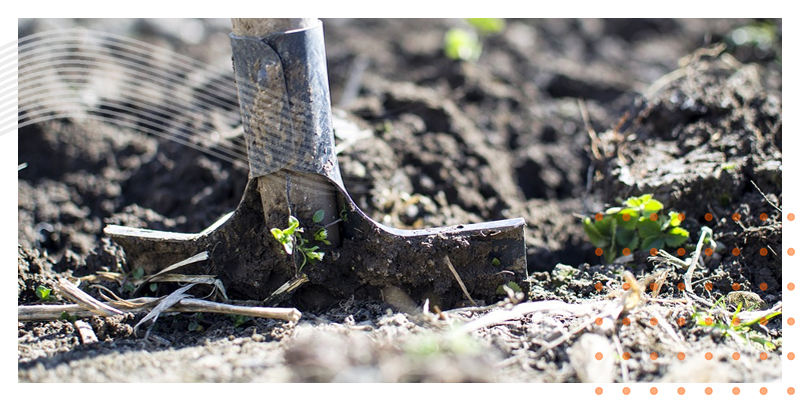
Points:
[738,329]
[43,293]
[637,225]
[239,320]
[292,237]
[467,45]
[65,316]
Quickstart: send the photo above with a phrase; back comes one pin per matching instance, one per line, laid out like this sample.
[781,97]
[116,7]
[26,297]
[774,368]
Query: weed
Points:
[738,329]
[292,237]
[65,316]
[635,226]
[239,320]
[467,45]
[43,293]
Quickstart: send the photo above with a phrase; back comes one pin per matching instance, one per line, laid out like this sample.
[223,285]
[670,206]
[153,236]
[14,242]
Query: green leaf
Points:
[674,218]
[633,220]
[462,45]
[676,237]
[627,238]
[648,227]
[294,224]
[653,241]
[595,236]
[138,273]
[495,262]
[488,25]
[511,285]
[153,287]
[652,206]
[67,317]
[318,216]
[43,293]
[322,236]
[636,202]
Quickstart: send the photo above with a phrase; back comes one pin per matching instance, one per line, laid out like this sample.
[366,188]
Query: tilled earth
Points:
[687,110]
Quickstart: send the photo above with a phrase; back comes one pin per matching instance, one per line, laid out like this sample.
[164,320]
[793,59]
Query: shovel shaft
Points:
[285,102]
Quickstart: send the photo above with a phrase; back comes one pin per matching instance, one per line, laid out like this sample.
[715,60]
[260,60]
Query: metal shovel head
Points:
[372,257]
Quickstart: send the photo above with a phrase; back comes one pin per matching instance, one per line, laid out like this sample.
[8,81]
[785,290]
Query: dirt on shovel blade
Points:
[554,121]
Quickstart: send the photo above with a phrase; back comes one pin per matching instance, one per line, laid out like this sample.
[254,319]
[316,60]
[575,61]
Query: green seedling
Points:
[239,320]
[743,331]
[467,45]
[65,316]
[511,285]
[633,227]
[292,237]
[43,293]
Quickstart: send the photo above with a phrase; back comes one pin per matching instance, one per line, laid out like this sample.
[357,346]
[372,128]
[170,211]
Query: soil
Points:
[428,141]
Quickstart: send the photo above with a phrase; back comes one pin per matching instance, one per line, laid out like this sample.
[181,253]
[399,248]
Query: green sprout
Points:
[635,226]
[239,320]
[293,236]
[467,45]
[43,293]
[65,316]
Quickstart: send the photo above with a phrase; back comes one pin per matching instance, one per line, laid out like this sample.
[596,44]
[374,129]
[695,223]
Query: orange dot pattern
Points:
[708,321]
[626,217]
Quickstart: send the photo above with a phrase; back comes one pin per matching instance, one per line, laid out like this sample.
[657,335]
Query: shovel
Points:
[281,75]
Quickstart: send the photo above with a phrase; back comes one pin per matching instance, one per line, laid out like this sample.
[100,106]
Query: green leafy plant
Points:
[239,320]
[742,330]
[43,293]
[65,316]
[635,226]
[467,45]
[292,237]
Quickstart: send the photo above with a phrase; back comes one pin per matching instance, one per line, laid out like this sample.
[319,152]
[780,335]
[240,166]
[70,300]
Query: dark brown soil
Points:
[436,142]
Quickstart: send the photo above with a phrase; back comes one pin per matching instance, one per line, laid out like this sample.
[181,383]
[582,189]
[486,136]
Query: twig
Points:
[687,278]
[78,296]
[765,197]
[142,304]
[592,134]
[458,279]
